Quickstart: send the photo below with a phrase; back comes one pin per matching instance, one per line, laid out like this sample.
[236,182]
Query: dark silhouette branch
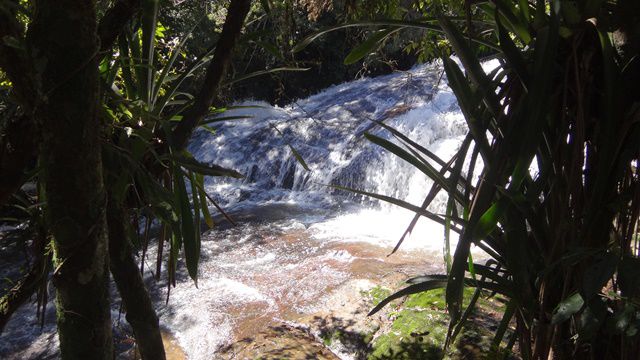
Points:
[236,14]
[113,23]
[17,150]
[21,292]
[17,140]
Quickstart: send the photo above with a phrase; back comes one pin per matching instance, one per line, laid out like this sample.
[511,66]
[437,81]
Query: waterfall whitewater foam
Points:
[327,131]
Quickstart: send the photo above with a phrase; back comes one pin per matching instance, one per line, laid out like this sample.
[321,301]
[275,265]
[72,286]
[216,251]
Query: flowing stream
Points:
[297,239]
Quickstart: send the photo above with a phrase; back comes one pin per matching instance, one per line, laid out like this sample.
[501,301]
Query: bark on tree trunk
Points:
[137,303]
[63,44]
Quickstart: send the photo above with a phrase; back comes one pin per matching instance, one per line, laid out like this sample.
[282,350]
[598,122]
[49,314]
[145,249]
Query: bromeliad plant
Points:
[142,105]
[145,102]
[149,174]
[562,240]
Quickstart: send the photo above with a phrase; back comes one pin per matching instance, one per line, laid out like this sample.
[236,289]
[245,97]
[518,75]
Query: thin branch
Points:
[21,292]
[236,14]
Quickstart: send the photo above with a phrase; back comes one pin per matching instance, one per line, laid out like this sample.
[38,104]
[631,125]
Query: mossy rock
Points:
[419,330]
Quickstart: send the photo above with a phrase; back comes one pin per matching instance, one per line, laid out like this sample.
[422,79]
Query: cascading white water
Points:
[327,130]
[312,235]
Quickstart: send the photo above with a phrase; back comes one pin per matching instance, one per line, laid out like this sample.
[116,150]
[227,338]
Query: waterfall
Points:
[327,131]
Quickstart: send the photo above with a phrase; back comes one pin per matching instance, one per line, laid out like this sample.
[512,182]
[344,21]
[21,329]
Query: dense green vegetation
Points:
[97,111]
[563,238]
[112,97]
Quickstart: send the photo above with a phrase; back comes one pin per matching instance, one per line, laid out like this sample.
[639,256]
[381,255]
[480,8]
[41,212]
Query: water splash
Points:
[327,130]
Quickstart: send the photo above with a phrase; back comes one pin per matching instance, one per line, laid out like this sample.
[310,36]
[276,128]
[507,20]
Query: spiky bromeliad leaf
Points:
[368,46]
[192,164]
[189,236]
[423,24]
[411,289]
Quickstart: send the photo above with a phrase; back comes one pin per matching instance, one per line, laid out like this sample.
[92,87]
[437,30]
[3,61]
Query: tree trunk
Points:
[137,303]
[63,44]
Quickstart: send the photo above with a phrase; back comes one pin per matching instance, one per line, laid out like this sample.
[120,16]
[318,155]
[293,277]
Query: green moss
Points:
[376,294]
[327,339]
[433,299]
[420,328]
[413,334]
[418,331]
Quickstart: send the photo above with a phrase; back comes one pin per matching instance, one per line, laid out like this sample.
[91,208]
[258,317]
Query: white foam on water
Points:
[384,229]
[198,318]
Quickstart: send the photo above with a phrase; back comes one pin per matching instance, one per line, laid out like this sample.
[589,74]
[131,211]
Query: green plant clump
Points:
[546,181]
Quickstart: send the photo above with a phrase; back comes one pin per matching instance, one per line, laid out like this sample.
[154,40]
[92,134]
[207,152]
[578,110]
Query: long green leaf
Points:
[166,69]
[203,201]
[189,237]
[424,24]
[468,105]
[367,46]
[149,22]
[194,249]
[504,325]
[411,289]
[472,65]
[171,91]
[426,168]
[507,12]
[512,55]
[403,204]
[295,152]
[205,169]
[262,72]
[224,118]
